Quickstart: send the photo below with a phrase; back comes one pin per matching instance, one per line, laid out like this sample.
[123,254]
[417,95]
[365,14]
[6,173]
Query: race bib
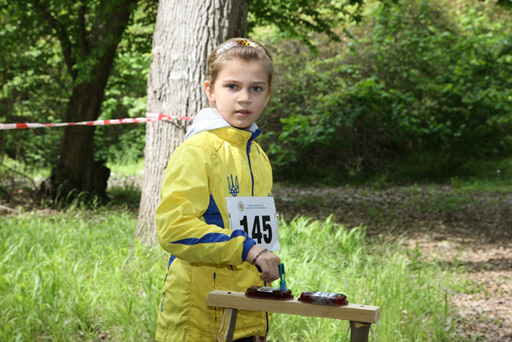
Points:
[257,217]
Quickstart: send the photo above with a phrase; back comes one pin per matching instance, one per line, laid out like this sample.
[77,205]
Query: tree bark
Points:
[185,33]
[77,171]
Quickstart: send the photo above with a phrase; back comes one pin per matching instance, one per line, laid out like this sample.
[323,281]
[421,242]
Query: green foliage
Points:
[415,91]
[125,95]
[418,78]
[486,175]
[504,3]
[36,84]
[299,19]
[49,48]
[86,35]
[33,85]
[456,74]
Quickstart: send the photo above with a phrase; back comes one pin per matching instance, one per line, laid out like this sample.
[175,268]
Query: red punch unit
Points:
[267,292]
[323,298]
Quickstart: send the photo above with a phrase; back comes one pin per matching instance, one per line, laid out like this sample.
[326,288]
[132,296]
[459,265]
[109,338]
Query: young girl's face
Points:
[240,92]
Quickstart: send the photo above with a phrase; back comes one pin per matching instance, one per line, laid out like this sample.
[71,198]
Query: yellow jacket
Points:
[192,225]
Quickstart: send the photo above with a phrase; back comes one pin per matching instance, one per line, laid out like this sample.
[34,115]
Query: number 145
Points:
[261,228]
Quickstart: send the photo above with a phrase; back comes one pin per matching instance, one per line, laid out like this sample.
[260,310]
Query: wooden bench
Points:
[360,316]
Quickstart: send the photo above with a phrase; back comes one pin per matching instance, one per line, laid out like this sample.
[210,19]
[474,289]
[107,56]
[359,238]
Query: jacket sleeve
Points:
[185,197]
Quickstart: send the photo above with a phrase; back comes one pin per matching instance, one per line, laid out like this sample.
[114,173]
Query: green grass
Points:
[127,178]
[490,174]
[75,276]
[322,256]
[11,166]
[128,169]
[433,168]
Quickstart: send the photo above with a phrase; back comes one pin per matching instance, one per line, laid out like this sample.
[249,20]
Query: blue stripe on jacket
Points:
[211,238]
[213,216]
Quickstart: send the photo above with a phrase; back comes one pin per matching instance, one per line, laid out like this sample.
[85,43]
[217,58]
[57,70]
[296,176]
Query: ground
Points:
[470,228]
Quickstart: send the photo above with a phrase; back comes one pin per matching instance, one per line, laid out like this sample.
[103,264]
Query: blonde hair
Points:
[238,48]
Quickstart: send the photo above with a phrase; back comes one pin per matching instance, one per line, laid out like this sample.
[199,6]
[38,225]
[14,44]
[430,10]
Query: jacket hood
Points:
[209,119]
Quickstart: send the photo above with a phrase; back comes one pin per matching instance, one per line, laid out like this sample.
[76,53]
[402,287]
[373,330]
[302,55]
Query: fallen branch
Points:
[3,207]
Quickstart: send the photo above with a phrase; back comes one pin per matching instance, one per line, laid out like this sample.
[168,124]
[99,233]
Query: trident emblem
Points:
[234,189]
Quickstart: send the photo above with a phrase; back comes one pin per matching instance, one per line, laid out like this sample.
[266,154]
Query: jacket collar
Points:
[235,135]
[210,119]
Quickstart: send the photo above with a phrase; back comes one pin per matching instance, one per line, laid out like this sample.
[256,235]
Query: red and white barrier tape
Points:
[149,117]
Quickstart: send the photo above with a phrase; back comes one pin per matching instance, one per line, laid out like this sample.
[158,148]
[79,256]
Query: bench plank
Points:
[238,300]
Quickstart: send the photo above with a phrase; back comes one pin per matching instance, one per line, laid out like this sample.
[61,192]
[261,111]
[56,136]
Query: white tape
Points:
[149,117]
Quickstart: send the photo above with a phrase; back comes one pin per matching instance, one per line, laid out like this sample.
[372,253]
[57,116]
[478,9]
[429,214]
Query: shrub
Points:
[425,80]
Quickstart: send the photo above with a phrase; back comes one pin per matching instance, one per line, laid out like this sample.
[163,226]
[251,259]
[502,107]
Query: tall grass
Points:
[322,256]
[75,276]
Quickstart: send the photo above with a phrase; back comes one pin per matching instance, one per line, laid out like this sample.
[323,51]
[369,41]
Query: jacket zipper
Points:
[215,288]
[250,166]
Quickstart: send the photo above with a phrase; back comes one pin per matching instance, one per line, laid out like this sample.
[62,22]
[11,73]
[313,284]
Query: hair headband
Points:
[239,42]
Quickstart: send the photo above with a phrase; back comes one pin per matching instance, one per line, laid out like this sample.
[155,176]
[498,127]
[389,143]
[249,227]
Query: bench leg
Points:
[227,325]
[359,332]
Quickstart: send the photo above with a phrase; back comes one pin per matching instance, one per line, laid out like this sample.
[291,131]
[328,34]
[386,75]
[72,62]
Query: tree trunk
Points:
[77,171]
[185,33]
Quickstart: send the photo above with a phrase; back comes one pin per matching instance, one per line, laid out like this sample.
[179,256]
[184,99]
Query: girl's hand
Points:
[267,261]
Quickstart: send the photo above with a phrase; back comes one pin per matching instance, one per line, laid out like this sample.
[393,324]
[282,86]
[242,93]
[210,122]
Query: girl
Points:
[218,160]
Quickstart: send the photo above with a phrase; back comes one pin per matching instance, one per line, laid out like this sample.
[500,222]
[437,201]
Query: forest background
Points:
[417,91]
[400,125]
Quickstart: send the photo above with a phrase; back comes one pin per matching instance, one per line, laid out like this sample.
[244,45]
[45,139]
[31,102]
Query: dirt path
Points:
[472,229]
